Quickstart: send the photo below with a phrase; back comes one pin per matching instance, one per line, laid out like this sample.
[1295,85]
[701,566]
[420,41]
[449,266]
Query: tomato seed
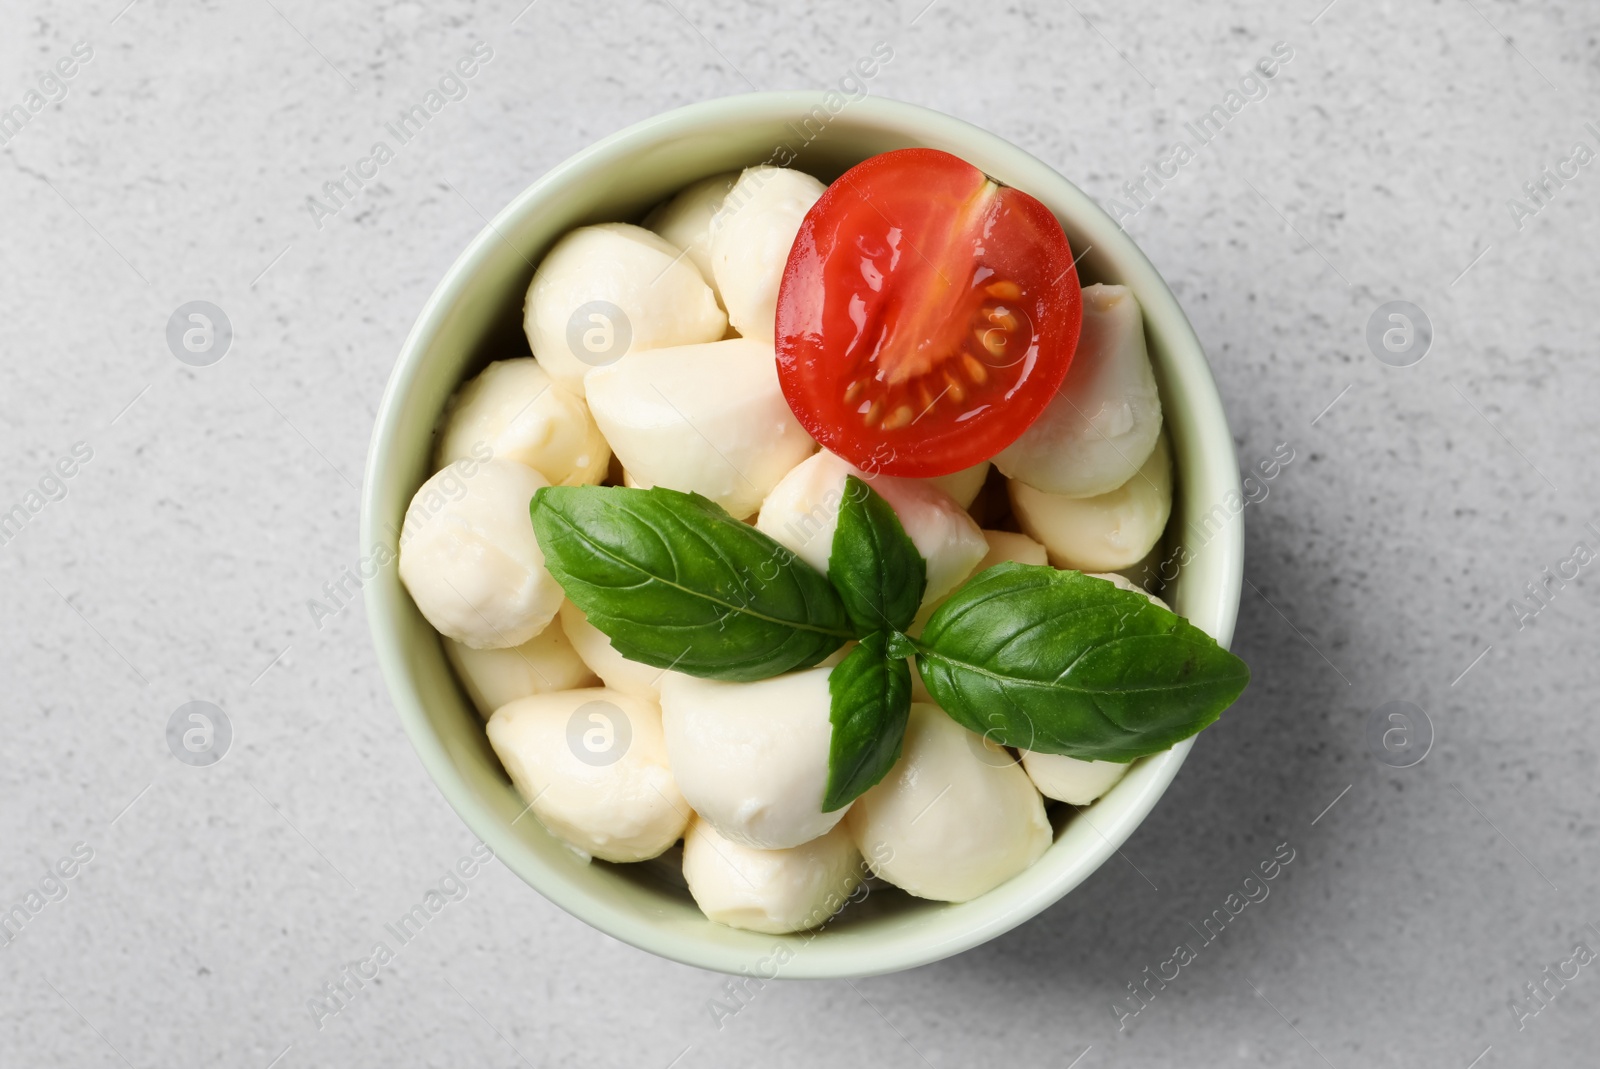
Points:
[999,317]
[974,368]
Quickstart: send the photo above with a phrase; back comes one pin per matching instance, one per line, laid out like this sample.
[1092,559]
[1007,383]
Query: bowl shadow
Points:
[1251,783]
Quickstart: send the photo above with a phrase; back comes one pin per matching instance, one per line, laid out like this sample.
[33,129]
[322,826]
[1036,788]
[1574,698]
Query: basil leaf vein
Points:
[870,703]
[1061,662]
[873,563]
[676,582]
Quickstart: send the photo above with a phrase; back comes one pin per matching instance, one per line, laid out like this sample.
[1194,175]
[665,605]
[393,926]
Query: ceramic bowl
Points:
[475,316]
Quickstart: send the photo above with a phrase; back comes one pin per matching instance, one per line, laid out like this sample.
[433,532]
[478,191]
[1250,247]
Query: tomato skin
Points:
[927,315]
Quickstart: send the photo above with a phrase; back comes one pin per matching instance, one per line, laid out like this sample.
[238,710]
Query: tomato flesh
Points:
[927,315]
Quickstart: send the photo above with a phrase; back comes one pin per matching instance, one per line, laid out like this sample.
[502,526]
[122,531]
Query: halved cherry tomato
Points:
[927,314]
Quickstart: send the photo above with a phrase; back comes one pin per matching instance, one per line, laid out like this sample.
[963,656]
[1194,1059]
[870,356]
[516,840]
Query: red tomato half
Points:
[927,314]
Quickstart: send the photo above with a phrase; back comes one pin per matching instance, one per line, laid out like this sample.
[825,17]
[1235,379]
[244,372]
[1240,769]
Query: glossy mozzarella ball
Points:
[1103,422]
[1069,779]
[802,512]
[469,558]
[1003,546]
[710,419]
[685,220]
[963,485]
[605,291]
[1122,582]
[546,662]
[1009,546]
[514,410]
[751,235]
[593,768]
[615,670]
[772,891]
[1100,534]
[956,816]
[752,758]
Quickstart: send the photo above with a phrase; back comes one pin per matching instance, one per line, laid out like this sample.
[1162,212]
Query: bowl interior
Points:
[475,316]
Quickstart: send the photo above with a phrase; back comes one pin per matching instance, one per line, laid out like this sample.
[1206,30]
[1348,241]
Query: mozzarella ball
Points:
[1067,779]
[1103,422]
[1003,546]
[1122,582]
[954,818]
[752,758]
[710,419]
[963,485]
[469,558]
[605,291]
[1100,534]
[685,220]
[593,768]
[615,671]
[544,663]
[802,513]
[772,891]
[1009,546]
[514,410]
[751,235]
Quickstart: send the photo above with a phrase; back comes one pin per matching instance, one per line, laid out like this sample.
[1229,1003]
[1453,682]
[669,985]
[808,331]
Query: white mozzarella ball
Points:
[545,663]
[605,291]
[963,485]
[1007,546]
[1003,546]
[751,235]
[802,512]
[469,558]
[1070,779]
[1103,422]
[1122,582]
[752,758]
[514,409]
[772,891]
[710,419]
[614,670]
[1067,779]
[956,816]
[685,220]
[593,768]
[1104,533]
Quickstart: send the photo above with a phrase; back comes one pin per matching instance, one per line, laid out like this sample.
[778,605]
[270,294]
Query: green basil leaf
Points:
[873,564]
[870,701]
[676,582]
[1062,662]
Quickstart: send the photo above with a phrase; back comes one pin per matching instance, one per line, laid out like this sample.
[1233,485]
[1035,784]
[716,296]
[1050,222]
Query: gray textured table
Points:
[1399,154]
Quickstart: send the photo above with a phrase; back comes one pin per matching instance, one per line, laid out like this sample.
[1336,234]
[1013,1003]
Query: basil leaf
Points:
[870,696]
[676,582]
[1062,662]
[874,565]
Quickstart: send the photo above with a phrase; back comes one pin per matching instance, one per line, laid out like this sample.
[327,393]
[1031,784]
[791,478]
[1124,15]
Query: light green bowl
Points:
[476,316]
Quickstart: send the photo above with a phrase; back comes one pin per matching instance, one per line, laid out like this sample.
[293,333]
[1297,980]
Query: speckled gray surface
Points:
[1381,164]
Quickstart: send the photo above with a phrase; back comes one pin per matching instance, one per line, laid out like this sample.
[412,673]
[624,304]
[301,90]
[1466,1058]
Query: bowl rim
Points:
[1191,374]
